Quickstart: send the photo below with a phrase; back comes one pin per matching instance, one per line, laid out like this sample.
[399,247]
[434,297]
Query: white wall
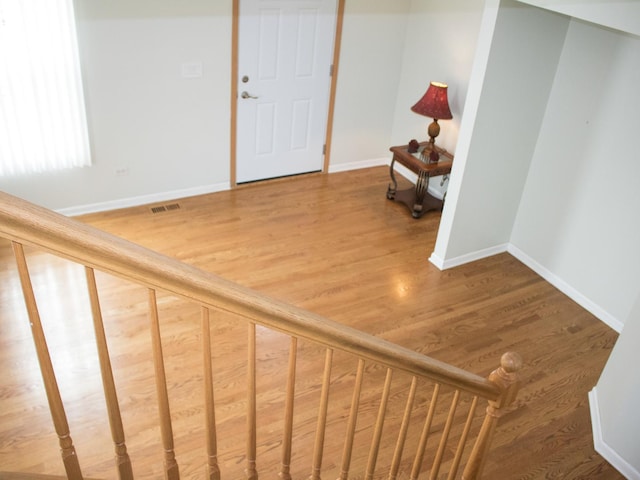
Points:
[511,81]
[579,212]
[545,155]
[616,397]
[373,38]
[171,134]
[391,50]
[440,45]
[578,219]
[569,200]
[166,132]
[623,15]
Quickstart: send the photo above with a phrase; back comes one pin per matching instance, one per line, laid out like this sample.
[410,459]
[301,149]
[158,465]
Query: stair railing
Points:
[26,224]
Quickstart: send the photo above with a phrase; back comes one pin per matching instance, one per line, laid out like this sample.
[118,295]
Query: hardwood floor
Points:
[333,245]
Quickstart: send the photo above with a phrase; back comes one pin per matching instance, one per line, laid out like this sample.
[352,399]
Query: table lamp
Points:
[434,104]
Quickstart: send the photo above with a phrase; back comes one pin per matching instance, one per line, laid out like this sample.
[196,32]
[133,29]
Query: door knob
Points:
[246,94]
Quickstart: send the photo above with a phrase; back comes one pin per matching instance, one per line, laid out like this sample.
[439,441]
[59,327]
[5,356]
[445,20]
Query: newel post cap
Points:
[506,378]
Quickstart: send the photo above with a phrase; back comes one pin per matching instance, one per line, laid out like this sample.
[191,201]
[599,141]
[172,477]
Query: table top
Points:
[415,163]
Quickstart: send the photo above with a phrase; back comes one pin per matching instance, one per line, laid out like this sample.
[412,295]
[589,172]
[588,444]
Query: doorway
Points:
[283,85]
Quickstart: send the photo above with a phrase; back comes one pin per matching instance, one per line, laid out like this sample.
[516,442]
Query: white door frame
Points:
[234,86]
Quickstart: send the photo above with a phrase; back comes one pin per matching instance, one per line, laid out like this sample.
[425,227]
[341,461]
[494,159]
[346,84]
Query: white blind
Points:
[43,123]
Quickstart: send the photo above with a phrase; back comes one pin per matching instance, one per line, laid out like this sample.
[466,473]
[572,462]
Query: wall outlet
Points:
[122,171]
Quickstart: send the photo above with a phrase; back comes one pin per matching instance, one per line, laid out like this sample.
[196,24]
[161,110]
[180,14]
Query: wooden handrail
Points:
[30,224]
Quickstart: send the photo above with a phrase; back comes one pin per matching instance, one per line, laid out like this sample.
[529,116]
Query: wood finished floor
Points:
[331,244]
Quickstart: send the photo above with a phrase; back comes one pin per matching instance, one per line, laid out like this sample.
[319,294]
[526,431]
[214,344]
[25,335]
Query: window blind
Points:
[43,124]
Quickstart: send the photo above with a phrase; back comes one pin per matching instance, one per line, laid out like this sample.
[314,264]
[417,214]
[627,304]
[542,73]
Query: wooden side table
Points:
[418,199]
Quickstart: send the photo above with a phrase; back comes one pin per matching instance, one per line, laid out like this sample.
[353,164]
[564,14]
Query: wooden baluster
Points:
[322,417]
[463,440]
[437,461]
[123,462]
[251,472]
[351,425]
[426,430]
[170,464]
[213,470]
[506,378]
[285,468]
[402,436]
[377,434]
[58,415]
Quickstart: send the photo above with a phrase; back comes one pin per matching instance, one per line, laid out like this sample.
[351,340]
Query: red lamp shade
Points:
[434,102]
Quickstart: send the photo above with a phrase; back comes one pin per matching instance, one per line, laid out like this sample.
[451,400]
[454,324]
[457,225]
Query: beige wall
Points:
[551,108]
[171,134]
[542,163]
[575,218]
[440,45]
[579,223]
[529,174]
[616,398]
[623,15]
[518,53]
[370,67]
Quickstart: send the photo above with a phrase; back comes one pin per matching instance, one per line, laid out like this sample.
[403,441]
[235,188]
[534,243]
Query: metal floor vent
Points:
[165,208]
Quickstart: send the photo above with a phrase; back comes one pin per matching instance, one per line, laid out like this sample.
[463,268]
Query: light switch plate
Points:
[191,70]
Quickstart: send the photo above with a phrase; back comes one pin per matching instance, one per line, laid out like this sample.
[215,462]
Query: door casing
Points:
[234,86]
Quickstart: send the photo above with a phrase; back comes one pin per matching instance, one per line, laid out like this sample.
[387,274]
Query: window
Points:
[43,123]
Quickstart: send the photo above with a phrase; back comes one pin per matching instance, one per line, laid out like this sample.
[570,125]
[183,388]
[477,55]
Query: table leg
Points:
[422,186]
[391,191]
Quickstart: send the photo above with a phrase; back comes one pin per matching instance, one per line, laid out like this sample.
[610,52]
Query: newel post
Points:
[507,379]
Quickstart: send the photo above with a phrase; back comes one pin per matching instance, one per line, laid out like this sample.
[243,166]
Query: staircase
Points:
[457,411]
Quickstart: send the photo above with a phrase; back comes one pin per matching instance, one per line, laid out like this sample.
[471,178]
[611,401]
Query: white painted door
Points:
[285,49]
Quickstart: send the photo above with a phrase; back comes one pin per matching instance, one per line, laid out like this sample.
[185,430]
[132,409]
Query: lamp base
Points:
[433,131]
[430,153]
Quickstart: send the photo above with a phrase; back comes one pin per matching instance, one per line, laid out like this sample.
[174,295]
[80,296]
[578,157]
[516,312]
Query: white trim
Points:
[377,162]
[567,289]
[467,258]
[608,453]
[413,178]
[437,260]
[545,273]
[190,192]
[406,173]
[143,199]
[343,167]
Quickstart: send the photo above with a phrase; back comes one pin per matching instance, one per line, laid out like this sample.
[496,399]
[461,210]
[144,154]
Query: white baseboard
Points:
[190,192]
[143,199]
[567,289]
[413,178]
[344,167]
[608,453]
[437,260]
[377,162]
[545,273]
[467,258]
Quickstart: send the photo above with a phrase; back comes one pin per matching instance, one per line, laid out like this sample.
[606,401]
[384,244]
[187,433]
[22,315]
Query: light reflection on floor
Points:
[65,317]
